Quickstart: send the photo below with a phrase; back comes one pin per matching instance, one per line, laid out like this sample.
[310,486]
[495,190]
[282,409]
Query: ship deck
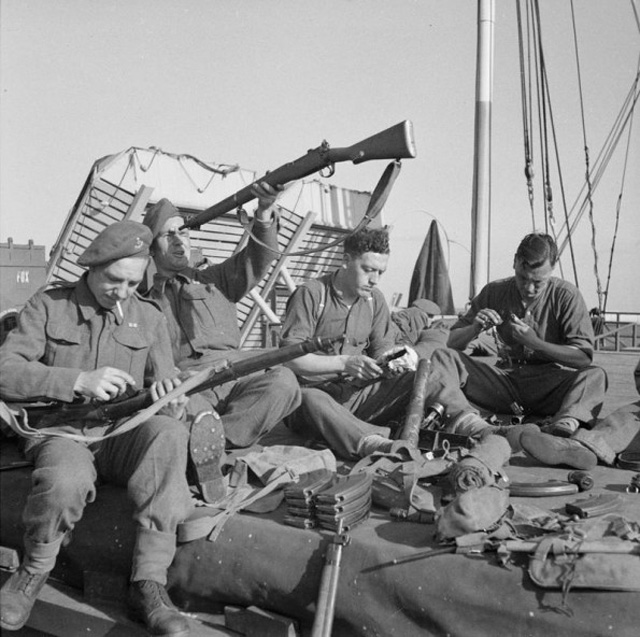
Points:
[387,586]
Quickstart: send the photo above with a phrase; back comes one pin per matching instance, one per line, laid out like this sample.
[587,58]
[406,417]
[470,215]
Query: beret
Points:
[159,214]
[117,241]
[427,306]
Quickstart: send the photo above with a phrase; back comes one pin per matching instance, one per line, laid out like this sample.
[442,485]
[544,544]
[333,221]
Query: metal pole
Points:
[480,210]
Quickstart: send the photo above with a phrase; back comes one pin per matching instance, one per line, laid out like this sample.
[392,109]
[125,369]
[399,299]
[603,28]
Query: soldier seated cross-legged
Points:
[544,341]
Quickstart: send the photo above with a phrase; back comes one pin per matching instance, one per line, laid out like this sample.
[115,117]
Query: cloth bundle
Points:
[482,466]
[324,499]
[479,503]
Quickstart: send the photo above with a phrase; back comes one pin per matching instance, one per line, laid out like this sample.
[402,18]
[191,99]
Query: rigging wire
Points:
[548,192]
[587,166]
[619,202]
[635,13]
[562,192]
[526,110]
[613,137]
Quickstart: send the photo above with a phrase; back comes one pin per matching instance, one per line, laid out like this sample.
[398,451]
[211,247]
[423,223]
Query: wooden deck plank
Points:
[619,367]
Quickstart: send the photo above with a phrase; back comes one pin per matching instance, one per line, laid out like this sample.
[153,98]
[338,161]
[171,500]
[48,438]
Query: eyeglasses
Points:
[171,234]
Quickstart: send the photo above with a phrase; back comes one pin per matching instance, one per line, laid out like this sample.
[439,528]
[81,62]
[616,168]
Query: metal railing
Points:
[616,336]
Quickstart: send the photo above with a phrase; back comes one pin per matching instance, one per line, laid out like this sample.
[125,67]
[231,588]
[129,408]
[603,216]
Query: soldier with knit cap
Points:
[90,340]
[200,306]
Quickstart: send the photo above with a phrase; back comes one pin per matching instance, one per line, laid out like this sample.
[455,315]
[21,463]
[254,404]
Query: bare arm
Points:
[485,319]
[568,355]
[358,366]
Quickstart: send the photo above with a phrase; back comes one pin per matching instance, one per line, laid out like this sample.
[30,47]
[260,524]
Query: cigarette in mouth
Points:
[119,308]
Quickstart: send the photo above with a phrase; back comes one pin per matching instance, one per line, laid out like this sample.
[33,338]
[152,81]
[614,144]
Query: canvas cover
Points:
[388,585]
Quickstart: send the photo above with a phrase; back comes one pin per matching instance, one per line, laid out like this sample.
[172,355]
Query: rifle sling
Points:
[18,420]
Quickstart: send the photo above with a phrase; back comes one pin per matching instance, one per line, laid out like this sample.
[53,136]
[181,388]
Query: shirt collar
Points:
[160,281]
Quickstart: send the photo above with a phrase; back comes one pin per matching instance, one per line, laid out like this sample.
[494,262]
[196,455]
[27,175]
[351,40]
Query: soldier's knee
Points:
[64,485]
[285,382]
[168,429]
[597,376]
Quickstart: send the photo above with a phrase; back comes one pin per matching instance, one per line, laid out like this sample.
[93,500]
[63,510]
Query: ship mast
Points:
[480,208]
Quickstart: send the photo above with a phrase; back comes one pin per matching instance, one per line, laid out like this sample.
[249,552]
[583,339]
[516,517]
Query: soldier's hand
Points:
[174,408]
[406,363]
[523,333]
[361,367]
[103,384]
[487,318]
[267,196]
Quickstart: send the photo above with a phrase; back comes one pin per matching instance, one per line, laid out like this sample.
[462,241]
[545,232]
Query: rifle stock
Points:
[393,143]
[52,414]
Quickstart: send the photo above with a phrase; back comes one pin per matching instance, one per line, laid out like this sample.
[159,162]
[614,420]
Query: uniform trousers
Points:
[546,389]
[149,461]
[342,414]
[253,405]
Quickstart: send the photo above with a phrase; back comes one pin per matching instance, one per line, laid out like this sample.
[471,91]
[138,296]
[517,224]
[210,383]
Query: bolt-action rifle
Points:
[393,143]
[58,413]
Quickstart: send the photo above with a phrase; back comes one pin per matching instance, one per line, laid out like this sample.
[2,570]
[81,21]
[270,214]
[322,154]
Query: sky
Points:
[258,83]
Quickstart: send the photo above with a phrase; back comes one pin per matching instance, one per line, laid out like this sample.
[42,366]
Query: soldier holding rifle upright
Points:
[199,304]
[90,340]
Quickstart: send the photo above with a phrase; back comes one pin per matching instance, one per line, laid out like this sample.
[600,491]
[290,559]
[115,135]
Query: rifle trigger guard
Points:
[328,171]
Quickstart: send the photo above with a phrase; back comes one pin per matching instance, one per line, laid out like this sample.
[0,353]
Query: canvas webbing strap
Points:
[211,526]
[18,420]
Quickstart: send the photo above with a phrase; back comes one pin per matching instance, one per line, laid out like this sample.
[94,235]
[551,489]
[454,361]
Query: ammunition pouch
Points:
[564,564]
[406,479]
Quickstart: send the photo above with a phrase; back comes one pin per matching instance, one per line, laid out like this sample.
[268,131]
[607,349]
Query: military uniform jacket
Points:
[200,303]
[62,331]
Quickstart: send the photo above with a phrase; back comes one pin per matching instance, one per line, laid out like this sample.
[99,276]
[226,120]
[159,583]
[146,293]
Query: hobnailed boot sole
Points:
[551,450]
[206,450]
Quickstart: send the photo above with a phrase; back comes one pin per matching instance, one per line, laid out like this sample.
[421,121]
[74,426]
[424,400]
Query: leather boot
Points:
[551,450]
[149,602]
[17,597]
[206,450]
[513,434]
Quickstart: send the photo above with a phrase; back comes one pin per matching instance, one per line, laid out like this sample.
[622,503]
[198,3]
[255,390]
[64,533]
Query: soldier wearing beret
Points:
[88,341]
[200,306]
